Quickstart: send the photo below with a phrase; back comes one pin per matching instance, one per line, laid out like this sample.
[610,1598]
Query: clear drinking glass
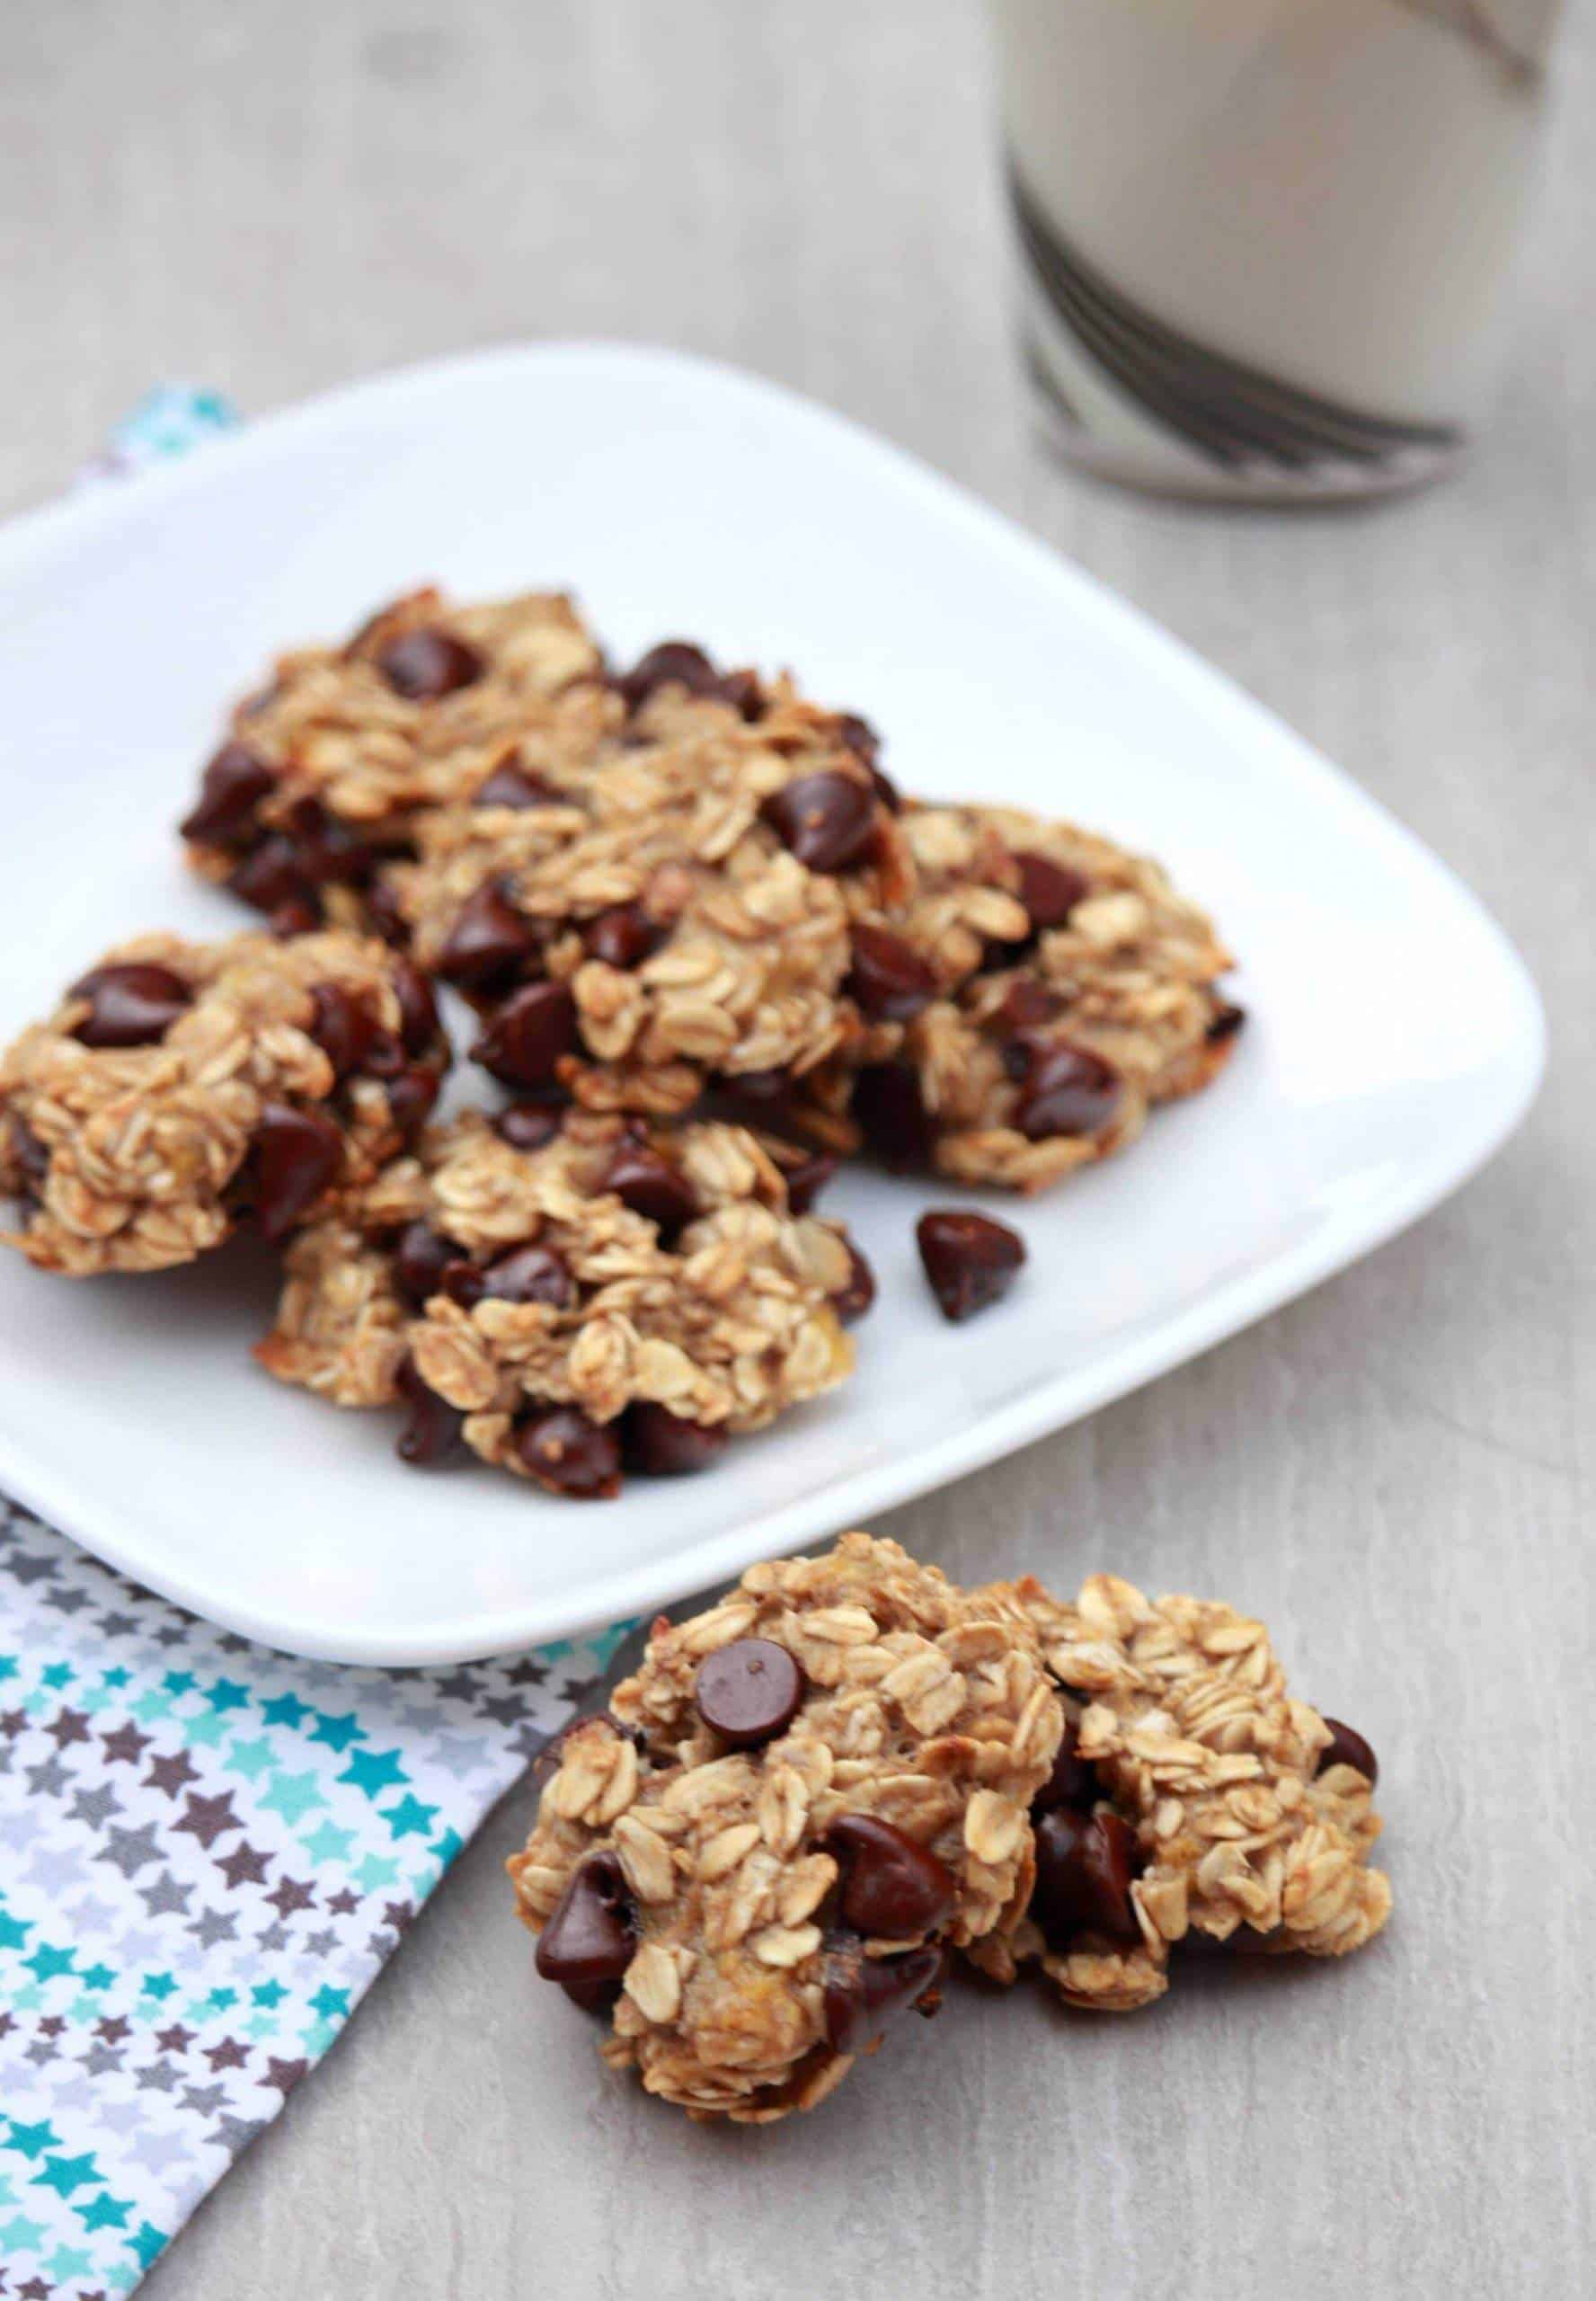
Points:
[1263,242]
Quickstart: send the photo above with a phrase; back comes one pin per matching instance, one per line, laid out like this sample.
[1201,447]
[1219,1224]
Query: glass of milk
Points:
[1264,242]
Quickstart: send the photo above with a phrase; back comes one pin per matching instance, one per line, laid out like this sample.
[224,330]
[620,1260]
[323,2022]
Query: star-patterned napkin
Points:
[207,1851]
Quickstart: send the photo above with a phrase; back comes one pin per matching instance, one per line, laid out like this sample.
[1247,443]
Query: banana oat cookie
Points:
[323,772]
[673,911]
[180,1088]
[1037,991]
[801,1801]
[573,1295]
[1191,1792]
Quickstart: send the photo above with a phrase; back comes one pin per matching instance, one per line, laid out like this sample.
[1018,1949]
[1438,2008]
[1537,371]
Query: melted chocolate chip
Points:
[674,662]
[653,1187]
[808,1180]
[862,1994]
[531,1273]
[589,1939]
[1050,890]
[892,1888]
[510,785]
[1064,1090]
[231,788]
[1348,1747]
[488,942]
[1226,1021]
[528,1033]
[1085,1863]
[342,1025]
[425,665]
[419,1025]
[270,879]
[891,1116]
[857,1294]
[970,1261]
[527,1126]
[827,819]
[412,1095]
[29,1155]
[421,1256]
[386,917]
[862,740]
[1072,1781]
[888,980]
[431,1433]
[132,1003]
[1025,1006]
[565,1452]
[658,1443]
[749,1692]
[295,1155]
[624,935]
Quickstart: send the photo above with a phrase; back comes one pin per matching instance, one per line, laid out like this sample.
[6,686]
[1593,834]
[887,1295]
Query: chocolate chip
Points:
[297,914]
[526,1036]
[1085,1863]
[1072,1781]
[749,1692]
[674,662]
[891,1116]
[658,1443]
[421,1256]
[510,785]
[653,1187]
[423,666]
[386,917]
[1064,1090]
[861,1993]
[231,788]
[1050,890]
[295,1155]
[531,1273]
[743,691]
[431,1433]
[527,1126]
[888,980]
[568,1455]
[328,851]
[419,1025]
[413,1095]
[808,1180]
[270,879]
[857,1292]
[342,1025]
[489,940]
[29,1155]
[1348,1747]
[828,819]
[892,1888]
[1025,1006]
[624,935]
[862,740]
[589,1939]
[970,1260]
[1226,1021]
[132,1003]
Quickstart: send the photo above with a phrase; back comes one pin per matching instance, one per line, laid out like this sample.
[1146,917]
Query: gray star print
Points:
[128,1850]
[164,1893]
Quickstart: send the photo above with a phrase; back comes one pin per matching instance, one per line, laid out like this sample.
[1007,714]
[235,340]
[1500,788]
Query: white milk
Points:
[1266,239]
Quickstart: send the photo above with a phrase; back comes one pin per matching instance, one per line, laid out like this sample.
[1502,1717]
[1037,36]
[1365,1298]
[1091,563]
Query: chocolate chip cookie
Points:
[323,772]
[180,1088]
[572,1295]
[761,1854]
[1191,1793]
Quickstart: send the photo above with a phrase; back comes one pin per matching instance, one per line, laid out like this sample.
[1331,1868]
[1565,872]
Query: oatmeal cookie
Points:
[180,1088]
[1037,991]
[675,908]
[1191,1792]
[571,1294]
[323,771]
[803,1797]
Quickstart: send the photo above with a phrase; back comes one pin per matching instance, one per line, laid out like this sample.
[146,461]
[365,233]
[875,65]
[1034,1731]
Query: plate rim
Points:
[1339,1239]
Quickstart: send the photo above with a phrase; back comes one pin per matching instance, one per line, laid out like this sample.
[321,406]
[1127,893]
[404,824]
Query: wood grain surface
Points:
[1394,1473]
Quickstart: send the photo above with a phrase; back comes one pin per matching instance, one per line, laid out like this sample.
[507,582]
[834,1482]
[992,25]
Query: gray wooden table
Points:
[1394,1473]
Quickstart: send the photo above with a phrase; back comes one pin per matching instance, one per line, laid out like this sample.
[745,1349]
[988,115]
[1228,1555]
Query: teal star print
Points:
[373,1770]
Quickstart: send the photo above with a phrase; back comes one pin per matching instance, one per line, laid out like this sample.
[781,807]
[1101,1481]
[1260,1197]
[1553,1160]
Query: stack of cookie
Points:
[807,1798]
[711,951]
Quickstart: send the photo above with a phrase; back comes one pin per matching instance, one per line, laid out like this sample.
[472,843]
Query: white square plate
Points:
[1394,1038]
